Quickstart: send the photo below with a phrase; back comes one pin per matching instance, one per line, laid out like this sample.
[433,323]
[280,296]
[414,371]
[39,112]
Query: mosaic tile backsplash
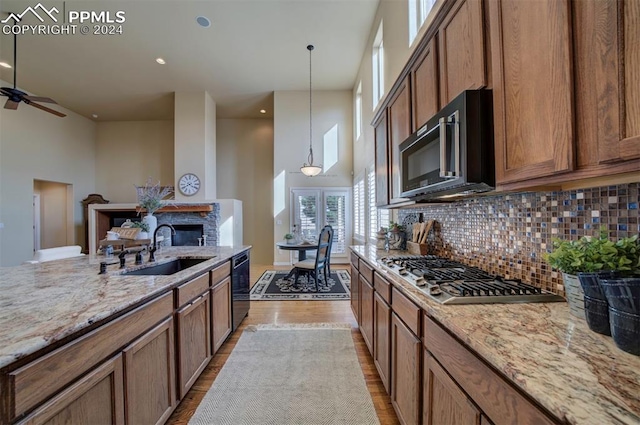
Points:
[507,234]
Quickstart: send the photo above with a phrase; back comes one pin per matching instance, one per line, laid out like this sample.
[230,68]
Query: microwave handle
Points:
[456,141]
[444,123]
[443,147]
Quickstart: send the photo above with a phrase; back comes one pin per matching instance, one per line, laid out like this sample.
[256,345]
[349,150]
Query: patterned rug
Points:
[273,285]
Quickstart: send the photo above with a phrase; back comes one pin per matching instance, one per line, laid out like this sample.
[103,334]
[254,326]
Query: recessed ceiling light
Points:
[203,21]
[5,65]
[262,111]
[160,61]
[94,115]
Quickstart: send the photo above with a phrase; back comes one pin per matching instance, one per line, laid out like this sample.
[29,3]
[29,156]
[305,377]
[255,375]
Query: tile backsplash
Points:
[507,234]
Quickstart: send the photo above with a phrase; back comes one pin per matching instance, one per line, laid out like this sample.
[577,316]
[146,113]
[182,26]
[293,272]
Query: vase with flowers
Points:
[150,198]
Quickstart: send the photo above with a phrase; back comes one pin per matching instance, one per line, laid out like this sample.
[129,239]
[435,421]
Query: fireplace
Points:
[187,234]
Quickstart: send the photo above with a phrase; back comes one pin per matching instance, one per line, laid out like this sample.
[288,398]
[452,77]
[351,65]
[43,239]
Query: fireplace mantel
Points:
[203,209]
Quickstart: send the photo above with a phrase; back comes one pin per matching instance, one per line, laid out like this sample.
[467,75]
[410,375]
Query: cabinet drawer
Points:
[382,286]
[354,260]
[38,380]
[492,393]
[406,310]
[220,272]
[192,289]
[366,271]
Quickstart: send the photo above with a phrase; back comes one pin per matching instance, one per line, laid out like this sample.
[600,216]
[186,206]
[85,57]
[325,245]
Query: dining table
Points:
[301,247]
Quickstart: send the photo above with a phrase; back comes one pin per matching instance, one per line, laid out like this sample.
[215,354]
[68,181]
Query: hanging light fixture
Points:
[310,169]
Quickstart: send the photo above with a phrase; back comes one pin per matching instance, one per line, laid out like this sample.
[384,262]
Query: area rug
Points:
[290,374]
[273,285]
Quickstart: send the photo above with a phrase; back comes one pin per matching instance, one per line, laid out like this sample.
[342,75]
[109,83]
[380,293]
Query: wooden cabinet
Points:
[355,293]
[193,341]
[382,161]
[444,401]
[532,88]
[425,99]
[97,398]
[382,339]
[150,376]
[462,50]
[399,120]
[606,34]
[221,321]
[366,312]
[406,386]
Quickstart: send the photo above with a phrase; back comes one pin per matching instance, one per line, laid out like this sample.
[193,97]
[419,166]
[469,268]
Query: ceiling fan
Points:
[16,96]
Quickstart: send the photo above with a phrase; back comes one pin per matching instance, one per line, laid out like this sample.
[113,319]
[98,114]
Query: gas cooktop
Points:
[451,282]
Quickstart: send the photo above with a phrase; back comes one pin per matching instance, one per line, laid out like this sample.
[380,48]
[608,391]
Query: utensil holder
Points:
[417,248]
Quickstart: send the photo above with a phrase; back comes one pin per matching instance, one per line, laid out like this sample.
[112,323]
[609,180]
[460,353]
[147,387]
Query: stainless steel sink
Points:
[168,268]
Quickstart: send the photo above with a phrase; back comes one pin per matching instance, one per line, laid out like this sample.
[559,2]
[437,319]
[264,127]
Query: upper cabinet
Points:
[399,120]
[532,88]
[424,85]
[462,50]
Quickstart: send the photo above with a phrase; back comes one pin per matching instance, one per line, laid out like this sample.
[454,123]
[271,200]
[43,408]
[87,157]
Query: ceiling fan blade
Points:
[44,108]
[40,99]
[11,104]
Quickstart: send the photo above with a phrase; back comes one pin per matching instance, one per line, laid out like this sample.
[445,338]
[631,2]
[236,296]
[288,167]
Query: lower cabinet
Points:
[382,339]
[444,401]
[97,398]
[366,312]
[355,293]
[221,320]
[406,352]
[150,376]
[193,341]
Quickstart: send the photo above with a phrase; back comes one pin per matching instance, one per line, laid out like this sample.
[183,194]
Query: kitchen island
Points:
[65,329]
[572,374]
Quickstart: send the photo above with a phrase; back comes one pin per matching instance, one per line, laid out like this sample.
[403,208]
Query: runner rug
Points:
[273,285]
[290,374]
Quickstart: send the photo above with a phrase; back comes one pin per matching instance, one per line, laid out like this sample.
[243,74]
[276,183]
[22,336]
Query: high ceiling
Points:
[252,48]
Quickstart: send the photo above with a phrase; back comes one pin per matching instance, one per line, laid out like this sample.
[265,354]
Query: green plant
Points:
[142,225]
[150,195]
[593,254]
[395,227]
[288,236]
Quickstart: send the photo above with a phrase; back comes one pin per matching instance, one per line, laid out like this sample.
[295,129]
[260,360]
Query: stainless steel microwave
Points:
[452,154]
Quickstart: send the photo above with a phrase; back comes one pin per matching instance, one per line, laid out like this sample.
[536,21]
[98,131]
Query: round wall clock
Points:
[189,184]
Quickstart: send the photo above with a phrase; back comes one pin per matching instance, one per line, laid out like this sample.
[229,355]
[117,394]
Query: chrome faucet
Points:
[154,247]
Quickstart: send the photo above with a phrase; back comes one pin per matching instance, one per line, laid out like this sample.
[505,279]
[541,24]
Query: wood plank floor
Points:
[290,312]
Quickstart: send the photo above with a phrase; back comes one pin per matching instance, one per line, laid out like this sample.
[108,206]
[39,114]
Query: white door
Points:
[312,209]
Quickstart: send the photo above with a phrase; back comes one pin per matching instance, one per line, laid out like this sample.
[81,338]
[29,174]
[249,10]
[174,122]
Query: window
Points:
[383,218]
[358,208]
[373,210]
[377,57]
[418,12]
[359,110]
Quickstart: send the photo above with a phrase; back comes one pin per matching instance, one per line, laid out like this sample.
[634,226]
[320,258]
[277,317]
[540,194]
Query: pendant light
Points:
[310,169]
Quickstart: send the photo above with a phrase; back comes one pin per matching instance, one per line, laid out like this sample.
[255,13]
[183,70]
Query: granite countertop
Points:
[46,302]
[578,375]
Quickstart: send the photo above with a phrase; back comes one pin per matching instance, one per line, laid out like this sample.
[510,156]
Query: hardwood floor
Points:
[290,312]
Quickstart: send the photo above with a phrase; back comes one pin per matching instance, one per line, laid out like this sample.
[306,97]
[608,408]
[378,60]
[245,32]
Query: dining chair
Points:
[316,267]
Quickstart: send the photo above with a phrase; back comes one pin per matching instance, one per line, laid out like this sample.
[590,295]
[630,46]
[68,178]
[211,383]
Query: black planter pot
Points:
[596,312]
[622,293]
[625,329]
[591,285]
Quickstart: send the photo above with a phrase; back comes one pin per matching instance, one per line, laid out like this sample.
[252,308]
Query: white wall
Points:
[128,153]
[291,147]
[41,146]
[245,172]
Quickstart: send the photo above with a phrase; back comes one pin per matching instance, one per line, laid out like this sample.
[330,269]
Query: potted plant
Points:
[289,238]
[396,237]
[144,229]
[150,198]
[567,257]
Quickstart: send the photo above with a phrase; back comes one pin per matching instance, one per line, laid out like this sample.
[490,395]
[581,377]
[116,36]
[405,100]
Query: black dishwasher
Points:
[240,288]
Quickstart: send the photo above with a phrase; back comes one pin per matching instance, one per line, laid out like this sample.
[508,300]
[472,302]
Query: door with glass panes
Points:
[312,209]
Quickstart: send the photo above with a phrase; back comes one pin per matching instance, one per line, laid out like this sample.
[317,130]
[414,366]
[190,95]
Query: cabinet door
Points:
[97,398]
[382,340]
[366,311]
[220,313]
[462,50]
[424,85]
[533,88]
[607,70]
[150,376]
[382,161]
[405,372]
[444,401]
[194,341]
[355,293]
[399,129]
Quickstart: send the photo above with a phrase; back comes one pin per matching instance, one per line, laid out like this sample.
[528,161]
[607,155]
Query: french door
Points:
[312,209]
